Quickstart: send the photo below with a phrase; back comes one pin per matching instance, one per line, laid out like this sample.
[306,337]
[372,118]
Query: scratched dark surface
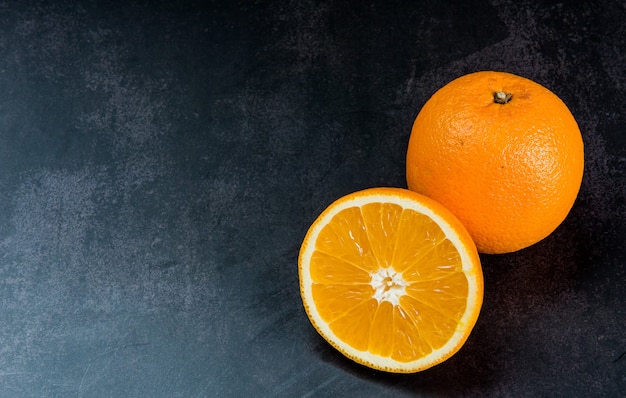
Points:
[160,163]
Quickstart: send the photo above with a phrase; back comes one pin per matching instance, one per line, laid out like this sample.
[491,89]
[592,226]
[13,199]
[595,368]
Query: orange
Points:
[503,153]
[391,279]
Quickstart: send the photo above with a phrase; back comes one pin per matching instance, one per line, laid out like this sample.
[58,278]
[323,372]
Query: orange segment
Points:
[407,342]
[334,301]
[381,221]
[421,236]
[354,325]
[332,270]
[381,330]
[346,239]
[391,279]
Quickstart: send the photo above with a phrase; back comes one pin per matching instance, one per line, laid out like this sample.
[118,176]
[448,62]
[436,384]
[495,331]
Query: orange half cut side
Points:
[391,279]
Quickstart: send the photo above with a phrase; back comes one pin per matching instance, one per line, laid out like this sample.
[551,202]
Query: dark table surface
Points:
[161,162]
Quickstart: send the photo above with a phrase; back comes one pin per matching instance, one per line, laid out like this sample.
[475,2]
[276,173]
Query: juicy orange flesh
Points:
[360,241]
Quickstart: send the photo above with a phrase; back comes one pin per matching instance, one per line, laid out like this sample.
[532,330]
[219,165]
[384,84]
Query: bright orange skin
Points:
[510,172]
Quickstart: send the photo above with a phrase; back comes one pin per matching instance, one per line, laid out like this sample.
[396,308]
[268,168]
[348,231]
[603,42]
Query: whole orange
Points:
[500,151]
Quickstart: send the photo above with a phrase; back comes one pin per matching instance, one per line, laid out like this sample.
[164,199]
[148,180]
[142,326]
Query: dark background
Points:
[160,163]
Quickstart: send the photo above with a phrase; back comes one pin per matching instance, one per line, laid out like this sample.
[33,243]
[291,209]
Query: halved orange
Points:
[391,279]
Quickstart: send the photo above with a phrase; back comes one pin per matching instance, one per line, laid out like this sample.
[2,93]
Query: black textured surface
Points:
[161,163]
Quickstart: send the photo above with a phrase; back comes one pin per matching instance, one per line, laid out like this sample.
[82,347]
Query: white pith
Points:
[388,285]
